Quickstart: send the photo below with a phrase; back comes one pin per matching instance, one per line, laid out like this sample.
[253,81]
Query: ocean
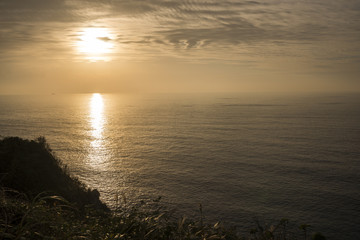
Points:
[241,156]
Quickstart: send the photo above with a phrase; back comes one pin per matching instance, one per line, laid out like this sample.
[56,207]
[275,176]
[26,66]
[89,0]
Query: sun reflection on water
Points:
[97,121]
[96,114]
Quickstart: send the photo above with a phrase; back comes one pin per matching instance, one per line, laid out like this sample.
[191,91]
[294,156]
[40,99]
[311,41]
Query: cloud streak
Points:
[189,24]
[257,35]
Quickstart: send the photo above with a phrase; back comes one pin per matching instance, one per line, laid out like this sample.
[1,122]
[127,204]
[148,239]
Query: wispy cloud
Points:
[314,35]
[189,24]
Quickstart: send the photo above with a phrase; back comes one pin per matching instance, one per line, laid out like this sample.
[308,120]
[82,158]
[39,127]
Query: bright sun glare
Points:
[95,43]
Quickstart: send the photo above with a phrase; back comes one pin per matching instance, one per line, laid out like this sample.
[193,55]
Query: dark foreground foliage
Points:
[31,167]
[49,204]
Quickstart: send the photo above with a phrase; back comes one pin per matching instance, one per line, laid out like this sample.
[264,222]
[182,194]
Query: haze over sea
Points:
[241,156]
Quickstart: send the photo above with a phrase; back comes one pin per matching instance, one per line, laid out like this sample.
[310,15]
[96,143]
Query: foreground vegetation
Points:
[50,204]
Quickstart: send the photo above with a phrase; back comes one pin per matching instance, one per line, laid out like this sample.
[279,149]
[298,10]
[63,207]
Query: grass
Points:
[50,204]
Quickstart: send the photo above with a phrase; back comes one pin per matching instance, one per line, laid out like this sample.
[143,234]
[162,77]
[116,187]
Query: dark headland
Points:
[39,199]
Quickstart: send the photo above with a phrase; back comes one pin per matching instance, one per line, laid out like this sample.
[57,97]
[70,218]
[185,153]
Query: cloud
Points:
[280,38]
[186,25]
[105,39]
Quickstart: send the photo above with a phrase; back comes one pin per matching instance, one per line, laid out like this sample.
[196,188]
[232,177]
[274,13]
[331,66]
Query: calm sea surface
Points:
[240,155]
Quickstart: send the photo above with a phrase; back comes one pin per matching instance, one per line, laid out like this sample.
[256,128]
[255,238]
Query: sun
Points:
[95,43]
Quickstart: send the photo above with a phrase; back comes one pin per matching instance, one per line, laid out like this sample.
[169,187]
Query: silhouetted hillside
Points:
[30,167]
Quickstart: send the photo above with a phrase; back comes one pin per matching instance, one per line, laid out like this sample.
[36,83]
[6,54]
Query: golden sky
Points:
[179,46]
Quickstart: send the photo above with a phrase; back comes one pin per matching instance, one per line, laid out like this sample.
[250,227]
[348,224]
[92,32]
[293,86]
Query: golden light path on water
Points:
[97,122]
[97,115]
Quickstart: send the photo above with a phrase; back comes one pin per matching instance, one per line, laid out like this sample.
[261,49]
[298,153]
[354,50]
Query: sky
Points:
[126,46]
